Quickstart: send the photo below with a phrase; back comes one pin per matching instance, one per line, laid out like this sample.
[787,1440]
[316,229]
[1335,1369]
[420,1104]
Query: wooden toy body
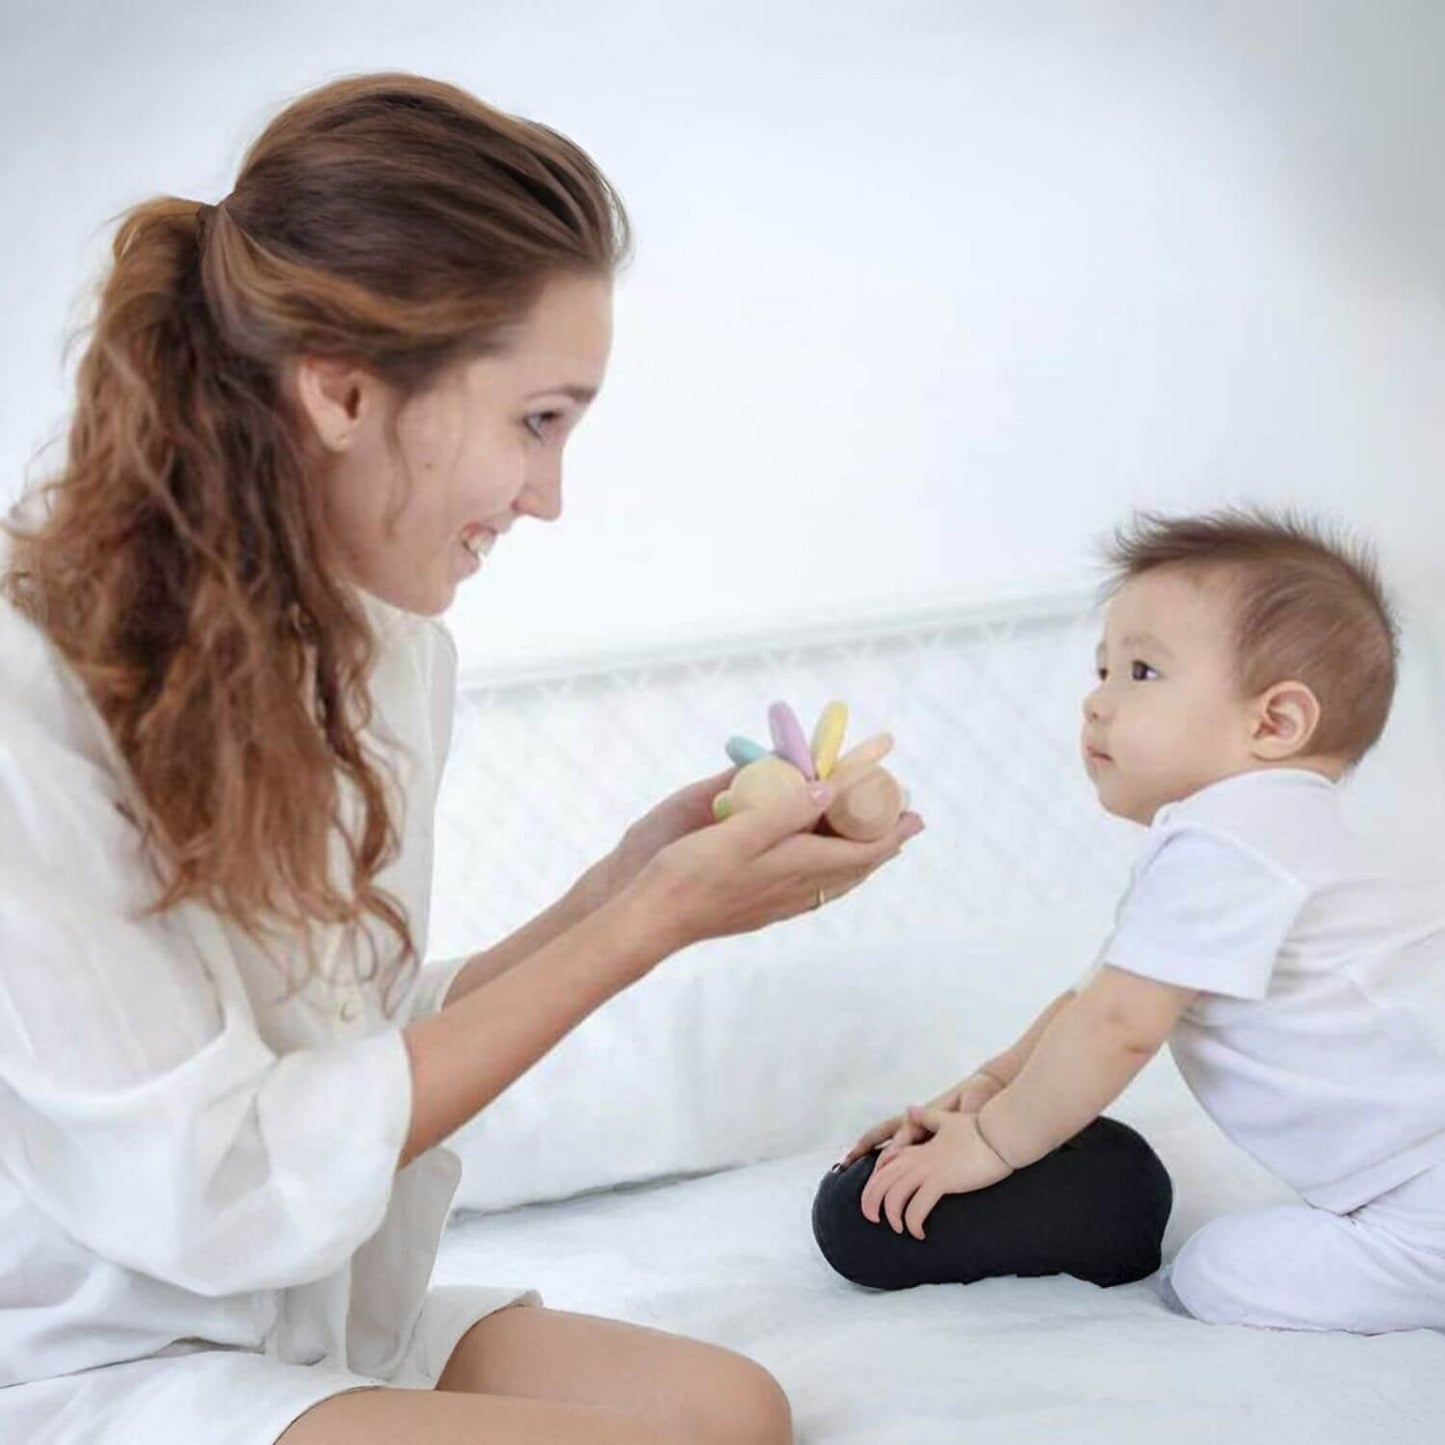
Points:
[866,806]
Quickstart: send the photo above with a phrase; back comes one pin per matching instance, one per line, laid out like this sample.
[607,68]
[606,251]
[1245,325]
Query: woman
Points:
[305,415]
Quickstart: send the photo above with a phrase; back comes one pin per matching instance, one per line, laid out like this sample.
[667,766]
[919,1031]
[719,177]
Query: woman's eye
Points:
[1141,671]
[538,422]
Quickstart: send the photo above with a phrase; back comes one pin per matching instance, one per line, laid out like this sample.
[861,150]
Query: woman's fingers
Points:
[765,825]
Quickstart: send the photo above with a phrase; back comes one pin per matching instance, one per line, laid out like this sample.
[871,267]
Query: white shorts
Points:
[1296,1267]
[226,1397]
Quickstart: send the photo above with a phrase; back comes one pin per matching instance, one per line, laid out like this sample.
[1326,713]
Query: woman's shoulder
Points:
[42,701]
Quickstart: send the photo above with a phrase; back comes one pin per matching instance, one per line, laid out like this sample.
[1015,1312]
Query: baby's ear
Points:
[1286,718]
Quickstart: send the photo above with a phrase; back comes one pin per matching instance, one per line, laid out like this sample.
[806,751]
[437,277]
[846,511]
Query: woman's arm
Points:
[755,868]
[1089,1049]
[677,815]
[497,1026]
[481,968]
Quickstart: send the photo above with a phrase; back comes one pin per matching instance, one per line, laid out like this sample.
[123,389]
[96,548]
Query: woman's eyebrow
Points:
[579,394]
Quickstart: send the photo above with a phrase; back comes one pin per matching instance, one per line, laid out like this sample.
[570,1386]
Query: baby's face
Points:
[1167,717]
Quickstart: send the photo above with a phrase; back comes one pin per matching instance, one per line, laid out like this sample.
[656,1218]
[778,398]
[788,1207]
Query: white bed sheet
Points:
[730,1258]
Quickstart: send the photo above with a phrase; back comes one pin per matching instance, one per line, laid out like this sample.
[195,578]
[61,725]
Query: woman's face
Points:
[415,495]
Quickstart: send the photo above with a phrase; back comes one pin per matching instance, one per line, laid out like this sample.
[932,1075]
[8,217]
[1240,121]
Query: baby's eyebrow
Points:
[1145,641]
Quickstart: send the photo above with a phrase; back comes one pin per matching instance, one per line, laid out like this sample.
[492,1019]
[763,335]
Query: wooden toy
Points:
[867,799]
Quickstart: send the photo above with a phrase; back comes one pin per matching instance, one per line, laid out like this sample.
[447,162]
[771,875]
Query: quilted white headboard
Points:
[550,762]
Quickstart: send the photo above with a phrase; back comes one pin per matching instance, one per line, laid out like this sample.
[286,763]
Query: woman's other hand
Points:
[677,815]
[759,866]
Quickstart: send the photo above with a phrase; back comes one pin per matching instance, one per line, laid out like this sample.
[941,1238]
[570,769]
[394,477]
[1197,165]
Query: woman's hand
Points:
[759,866]
[967,1096]
[677,815]
[907,1184]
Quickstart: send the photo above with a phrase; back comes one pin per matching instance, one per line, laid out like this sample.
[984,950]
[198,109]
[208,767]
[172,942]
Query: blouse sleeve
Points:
[139,1107]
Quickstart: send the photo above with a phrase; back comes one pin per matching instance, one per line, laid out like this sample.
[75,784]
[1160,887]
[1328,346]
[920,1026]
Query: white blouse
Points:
[202,1227]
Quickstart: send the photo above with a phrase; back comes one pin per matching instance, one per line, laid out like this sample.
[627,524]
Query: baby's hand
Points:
[896,1132]
[911,1127]
[907,1183]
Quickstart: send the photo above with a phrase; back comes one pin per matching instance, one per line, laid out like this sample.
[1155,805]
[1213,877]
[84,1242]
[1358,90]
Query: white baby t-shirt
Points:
[1317,1041]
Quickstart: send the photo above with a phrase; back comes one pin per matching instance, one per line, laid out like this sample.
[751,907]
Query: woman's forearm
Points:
[481,968]
[1079,1065]
[464,1056]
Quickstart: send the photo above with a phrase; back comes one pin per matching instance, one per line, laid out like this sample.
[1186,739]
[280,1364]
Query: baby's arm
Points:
[1090,1045]
[967,1096]
[1001,1070]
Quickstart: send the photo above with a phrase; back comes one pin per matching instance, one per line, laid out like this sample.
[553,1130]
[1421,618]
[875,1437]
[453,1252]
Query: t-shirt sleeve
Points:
[1206,912]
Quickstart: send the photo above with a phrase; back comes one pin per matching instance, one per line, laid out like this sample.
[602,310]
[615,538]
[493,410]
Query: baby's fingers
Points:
[921,1205]
[868,1142]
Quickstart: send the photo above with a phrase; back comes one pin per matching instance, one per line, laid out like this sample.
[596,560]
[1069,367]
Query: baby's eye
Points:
[538,422]
[1102,673]
[1141,671]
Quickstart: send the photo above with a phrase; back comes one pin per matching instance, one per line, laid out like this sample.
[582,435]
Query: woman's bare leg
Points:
[532,1376]
[429,1417]
[707,1394]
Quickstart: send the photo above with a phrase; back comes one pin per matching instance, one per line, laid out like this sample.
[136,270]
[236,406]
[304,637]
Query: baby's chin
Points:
[1118,799]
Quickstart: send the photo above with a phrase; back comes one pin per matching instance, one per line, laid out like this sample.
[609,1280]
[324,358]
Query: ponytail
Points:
[389,220]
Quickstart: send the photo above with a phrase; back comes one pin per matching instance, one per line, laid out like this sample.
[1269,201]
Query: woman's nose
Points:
[542,496]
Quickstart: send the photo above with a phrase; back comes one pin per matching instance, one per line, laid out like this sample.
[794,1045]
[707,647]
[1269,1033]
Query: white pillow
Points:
[724,1056]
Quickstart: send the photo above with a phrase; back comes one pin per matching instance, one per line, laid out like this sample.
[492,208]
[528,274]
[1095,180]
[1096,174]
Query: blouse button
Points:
[350,1012]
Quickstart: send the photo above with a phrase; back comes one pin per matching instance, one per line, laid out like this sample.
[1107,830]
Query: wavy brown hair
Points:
[397,223]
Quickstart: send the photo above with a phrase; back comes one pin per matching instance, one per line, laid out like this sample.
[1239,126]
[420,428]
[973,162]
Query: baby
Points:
[1247,663]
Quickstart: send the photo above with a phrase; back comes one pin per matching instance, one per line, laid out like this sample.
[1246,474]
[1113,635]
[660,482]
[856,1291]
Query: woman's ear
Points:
[334,397]
[1286,719]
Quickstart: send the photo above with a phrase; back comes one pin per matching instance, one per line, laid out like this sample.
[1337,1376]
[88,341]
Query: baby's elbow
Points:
[1137,1035]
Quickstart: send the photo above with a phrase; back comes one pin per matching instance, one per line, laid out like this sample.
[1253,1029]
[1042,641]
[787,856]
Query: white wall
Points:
[926,294]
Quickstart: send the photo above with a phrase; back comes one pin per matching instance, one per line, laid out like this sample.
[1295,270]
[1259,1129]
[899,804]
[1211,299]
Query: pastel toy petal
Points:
[722,807]
[857,761]
[788,739]
[828,737]
[744,751]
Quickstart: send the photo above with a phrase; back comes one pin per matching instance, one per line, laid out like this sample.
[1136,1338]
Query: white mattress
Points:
[730,1258]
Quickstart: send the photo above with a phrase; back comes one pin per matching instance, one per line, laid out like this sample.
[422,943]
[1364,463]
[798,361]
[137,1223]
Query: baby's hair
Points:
[1308,606]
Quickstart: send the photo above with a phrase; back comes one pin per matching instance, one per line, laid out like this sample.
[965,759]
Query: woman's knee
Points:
[745,1406]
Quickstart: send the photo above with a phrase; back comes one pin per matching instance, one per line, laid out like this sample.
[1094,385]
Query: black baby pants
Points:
[1095,1208]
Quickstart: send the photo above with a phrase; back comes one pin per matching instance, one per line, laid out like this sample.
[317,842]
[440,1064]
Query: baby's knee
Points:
[1210,1274]
[848,1240]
